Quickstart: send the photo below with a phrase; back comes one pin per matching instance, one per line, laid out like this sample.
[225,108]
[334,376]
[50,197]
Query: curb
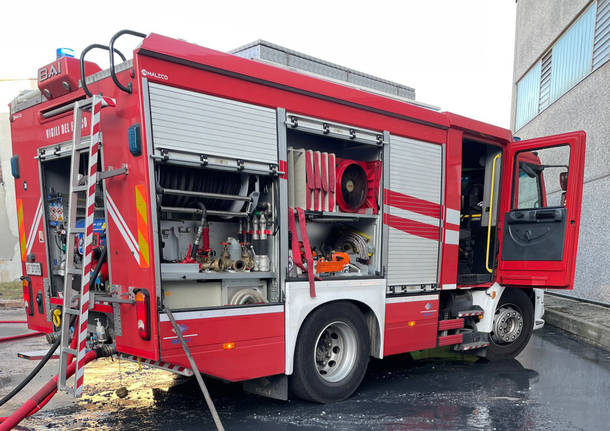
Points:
[10,303]
[560,313]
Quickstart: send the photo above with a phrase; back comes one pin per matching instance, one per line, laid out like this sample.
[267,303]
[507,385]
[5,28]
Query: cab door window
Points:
[541,179]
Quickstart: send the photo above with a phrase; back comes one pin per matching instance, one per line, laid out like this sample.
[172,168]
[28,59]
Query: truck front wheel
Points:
[512,326]
[331,355]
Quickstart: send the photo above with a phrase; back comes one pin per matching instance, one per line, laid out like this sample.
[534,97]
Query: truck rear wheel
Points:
[331,355]
[512,326]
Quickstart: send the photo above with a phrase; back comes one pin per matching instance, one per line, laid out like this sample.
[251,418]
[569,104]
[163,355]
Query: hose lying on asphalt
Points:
[41,364]
[20,336]
[48,398]
[47,391]
[45,359]
[43,401]
[33,373]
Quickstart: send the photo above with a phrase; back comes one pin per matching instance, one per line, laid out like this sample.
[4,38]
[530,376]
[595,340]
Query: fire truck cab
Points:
[294,226]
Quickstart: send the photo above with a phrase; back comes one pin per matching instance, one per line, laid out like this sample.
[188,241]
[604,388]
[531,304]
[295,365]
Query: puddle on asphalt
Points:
[99,404]
[434,390]
[160,400]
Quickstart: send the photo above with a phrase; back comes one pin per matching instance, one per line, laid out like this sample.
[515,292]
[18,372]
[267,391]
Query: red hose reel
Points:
[358,185]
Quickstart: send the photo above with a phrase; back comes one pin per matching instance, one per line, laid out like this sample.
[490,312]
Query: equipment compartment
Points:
[335,179]
[217,237]
[56,192]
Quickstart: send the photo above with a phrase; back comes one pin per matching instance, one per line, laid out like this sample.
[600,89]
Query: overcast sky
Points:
[457,54]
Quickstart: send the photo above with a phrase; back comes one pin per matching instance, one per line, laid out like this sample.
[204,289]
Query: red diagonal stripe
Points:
[411,203]
[412,227]
[109,101]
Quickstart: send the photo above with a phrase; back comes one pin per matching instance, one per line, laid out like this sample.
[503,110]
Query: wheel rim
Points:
[336,351]
[508,324]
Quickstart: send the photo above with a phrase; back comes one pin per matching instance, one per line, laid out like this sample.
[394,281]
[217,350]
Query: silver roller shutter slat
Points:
[188,121]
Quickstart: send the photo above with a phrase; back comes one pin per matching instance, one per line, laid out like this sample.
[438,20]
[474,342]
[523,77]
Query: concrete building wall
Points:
[584,107]
[539,23]
[10,260]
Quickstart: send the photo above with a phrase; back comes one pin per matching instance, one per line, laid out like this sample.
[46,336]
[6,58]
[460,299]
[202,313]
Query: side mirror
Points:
[563,181]
[527,168]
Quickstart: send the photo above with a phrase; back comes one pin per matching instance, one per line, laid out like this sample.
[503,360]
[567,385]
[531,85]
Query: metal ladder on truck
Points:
[76,306]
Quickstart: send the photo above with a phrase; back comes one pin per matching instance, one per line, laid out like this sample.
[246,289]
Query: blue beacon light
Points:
[64,52]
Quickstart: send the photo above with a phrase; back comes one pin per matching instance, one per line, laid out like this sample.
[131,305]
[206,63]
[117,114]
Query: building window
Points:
[583,47]
[572,55]
[528,96]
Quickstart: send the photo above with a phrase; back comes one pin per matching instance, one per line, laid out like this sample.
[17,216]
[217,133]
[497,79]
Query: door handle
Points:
[548,215]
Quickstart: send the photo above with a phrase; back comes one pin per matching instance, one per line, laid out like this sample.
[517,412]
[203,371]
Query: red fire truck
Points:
[292,226]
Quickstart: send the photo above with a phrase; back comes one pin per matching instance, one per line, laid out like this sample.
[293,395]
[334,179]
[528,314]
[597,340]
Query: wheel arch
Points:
[371,320]
[300,307]
[488,300]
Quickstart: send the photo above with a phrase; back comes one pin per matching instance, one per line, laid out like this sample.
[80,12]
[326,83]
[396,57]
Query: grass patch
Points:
[443,353]
[11,290]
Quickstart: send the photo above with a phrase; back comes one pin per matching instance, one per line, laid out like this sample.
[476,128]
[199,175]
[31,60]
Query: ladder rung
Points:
[69,350]
[71,311]
[74,271]
[82,146]
[80,188]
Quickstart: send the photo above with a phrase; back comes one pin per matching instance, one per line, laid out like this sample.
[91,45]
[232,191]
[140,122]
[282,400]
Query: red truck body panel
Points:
[258,339]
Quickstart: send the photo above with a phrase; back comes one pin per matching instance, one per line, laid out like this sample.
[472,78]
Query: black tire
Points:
[518,301]
[310,380]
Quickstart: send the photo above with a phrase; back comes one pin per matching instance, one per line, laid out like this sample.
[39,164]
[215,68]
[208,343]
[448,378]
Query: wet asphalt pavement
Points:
[557,383]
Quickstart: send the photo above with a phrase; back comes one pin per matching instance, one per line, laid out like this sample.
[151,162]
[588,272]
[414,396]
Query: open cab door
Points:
[542,182]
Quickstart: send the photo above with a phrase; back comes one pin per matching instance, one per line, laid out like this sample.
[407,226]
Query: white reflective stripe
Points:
[35,223]
[452,236]
[184,335]
[121,221]
[135,251]
[228,312]
[410,215]
[158,364]
[90,219]
[86,277]
[416,298]
[449,286]
[453,216]
[94,161]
